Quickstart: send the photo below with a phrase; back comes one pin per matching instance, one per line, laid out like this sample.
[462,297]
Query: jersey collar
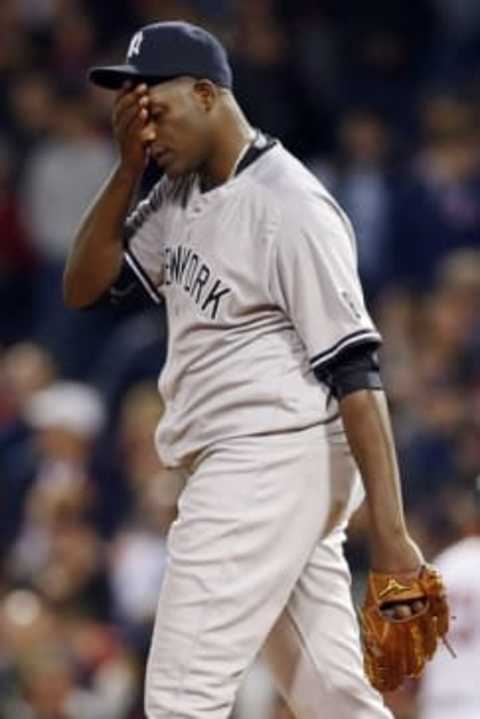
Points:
[260,145]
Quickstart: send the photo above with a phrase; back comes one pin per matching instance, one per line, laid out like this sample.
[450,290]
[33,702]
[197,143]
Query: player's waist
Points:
[181,440]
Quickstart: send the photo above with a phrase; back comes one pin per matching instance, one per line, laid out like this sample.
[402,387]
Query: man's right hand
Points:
[132,129]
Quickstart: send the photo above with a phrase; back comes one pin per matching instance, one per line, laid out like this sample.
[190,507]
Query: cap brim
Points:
[112,77]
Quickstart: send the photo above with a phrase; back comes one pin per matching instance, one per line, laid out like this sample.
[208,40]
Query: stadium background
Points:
[383,105]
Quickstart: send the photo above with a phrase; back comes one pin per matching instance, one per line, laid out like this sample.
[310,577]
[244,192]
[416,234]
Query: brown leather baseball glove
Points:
[402,618]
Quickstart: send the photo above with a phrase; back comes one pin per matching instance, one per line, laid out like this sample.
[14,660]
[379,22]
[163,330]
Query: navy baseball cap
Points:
[165,50]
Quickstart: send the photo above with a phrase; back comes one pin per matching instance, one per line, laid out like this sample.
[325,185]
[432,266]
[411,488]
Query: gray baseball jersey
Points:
[260,281]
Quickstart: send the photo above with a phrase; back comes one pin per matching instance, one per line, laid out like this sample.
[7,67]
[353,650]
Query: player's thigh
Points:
[314,649]
[248,521]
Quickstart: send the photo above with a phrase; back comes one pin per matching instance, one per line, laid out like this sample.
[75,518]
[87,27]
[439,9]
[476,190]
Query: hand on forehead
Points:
[138,89]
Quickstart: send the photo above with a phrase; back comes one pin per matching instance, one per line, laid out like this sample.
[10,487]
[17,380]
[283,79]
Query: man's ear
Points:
[206,94]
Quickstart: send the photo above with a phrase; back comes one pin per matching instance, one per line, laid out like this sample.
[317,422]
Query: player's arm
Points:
[354,380]
[405,612]
[96,255]
[315,281]
[367,425]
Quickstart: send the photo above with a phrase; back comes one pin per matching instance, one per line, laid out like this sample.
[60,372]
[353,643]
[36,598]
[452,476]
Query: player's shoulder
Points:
[295,193]
[284,179]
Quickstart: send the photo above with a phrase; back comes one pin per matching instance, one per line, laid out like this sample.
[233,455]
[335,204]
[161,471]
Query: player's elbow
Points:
[75,296]
[70,293]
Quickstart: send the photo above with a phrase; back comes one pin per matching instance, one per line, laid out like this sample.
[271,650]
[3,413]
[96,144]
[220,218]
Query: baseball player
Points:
[272,390]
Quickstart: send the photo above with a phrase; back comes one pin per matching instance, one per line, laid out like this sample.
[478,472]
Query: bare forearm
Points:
[367,425]
[96,254]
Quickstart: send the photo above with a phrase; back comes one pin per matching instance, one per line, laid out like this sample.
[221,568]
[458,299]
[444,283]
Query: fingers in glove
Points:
[402,611]
[397,611]
[419,605]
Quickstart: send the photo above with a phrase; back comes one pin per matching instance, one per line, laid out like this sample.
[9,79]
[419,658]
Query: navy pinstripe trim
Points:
[261,144]
[353,339]
[331,419]
[145,280]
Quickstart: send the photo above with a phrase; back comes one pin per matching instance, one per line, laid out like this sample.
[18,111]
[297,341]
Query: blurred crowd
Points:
[384,107]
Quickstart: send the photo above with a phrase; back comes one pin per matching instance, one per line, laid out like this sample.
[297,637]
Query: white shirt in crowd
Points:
[451,687]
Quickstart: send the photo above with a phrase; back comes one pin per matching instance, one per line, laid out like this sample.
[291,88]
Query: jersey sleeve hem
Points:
[142,276]
[365,336]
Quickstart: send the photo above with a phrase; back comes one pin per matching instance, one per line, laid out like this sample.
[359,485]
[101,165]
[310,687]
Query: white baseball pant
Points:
[256,560]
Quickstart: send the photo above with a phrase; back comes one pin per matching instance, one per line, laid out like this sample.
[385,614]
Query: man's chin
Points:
[172,170]
[173,167]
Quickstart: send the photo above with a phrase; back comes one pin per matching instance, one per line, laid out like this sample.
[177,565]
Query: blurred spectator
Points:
[61,177]
[142,409]
[66,667]
[362,181]
[74,41]
[25,369]
[451,686]
[56,550]
[139,346]
[64,418]
[456,50]
[138,553]
[14,46]
[383,55]
[31,116]
[259,50]
[74,412]
[426,367]
[439,209]
[37,14]
[17,259]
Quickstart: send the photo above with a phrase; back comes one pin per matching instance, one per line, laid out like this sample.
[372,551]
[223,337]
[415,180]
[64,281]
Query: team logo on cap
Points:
[135,45]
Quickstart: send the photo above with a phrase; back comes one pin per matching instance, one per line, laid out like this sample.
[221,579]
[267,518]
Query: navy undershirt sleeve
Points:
[355,369]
